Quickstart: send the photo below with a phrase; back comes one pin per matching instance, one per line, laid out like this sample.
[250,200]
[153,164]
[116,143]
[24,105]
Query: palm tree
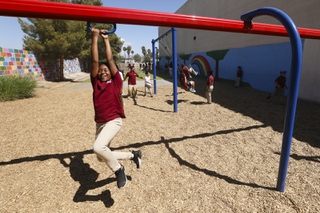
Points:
[124,50]
[144,51]
[132,52]
[129,48]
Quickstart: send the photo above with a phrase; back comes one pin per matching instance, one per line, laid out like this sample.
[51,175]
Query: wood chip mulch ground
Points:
[222,157]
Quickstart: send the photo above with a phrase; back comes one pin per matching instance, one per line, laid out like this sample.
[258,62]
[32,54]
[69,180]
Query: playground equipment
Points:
[108,32]
[88,13]
[174,64]
[66,11]
[296,62]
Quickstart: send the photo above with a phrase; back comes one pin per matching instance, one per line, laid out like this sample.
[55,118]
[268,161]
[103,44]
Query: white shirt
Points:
[147,80]
[121,75]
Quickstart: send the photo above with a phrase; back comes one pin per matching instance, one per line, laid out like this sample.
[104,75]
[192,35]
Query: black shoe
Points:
[121,177]
[268,97]
[137,158]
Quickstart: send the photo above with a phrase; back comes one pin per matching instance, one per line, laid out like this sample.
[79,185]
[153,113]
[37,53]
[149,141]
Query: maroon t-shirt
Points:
[106,98]
[132,77]
[210,80]
[182,81]
[281,80]
[185,70]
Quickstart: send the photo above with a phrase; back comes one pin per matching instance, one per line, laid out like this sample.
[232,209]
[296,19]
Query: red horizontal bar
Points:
[67,11]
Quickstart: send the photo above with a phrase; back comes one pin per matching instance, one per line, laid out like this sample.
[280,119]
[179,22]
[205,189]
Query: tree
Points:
[87,2]
[129,48]
[124,50]
[146,59]
[149,53]
[53,39]
[144,51]
[217,55]
[137,58]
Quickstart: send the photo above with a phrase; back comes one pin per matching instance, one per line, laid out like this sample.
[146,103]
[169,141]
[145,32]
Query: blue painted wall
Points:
[261,64]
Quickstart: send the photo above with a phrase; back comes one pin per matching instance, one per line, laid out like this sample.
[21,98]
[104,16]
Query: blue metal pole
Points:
[154,59]
[154,67]
[175,68]
[296,64]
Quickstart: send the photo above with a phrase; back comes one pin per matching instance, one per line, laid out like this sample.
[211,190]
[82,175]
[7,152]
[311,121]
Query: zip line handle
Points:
[108,32]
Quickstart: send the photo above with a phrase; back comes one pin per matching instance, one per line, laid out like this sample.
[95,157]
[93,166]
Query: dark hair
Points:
[105,63]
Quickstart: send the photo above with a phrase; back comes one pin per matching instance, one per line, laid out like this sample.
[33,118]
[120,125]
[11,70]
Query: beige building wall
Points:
[310,74]
[303,13]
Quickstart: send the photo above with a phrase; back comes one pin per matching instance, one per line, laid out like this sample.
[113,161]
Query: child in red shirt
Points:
[210,87]
[280,83]
[107,85]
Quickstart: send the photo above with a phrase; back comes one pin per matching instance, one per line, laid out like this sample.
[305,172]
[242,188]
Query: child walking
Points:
[148,84]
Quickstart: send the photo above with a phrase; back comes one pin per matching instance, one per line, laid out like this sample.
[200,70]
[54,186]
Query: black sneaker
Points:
[137,158]
[121,177]
[269,96]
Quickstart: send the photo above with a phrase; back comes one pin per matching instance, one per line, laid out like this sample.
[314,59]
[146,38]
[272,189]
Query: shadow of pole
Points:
[209,172]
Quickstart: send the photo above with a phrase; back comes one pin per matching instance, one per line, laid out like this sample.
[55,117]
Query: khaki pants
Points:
[238,80]
[105,132]
[132,91]
[208,94]
[149,88]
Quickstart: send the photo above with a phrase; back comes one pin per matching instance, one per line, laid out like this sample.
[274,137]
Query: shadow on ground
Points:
[254,103]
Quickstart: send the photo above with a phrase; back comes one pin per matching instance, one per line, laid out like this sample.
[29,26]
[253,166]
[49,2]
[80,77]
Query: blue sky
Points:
[135,35]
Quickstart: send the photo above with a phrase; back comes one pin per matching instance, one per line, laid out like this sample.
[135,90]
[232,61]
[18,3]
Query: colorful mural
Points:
[261,64]
[71,66]
[201,64]
[19,62]
[24,63]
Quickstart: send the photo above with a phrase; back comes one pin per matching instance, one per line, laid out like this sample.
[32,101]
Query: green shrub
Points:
[16,87]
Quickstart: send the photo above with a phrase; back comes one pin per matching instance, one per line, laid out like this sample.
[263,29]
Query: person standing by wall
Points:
[280,83]
[107,84]
[239,76]
[210,87]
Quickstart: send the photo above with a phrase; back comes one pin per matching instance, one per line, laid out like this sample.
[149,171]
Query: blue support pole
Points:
[174,61]
[175,69]
[154,68]
[296,64]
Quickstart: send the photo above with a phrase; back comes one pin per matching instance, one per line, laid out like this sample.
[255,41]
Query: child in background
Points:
[210,87]
[148,84]
[281,85]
